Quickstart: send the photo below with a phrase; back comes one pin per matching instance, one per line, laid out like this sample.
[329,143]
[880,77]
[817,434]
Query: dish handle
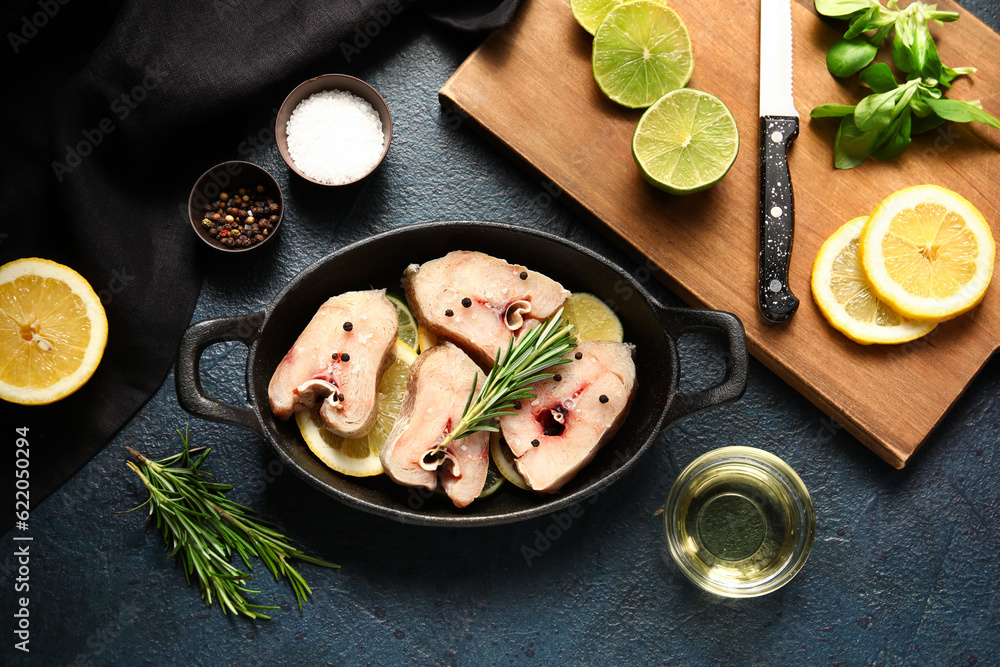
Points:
[680,321]
[187,376]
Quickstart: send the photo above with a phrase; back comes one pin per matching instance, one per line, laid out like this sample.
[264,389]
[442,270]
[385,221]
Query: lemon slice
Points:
[928,253]
[844,296]
[407,323]
[642,50]
[359,457]
[53,331]
[592,318]
[504,460]
[425,339]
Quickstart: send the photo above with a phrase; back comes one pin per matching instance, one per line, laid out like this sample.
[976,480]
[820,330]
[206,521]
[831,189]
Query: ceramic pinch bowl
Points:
[323,83]
[229,177]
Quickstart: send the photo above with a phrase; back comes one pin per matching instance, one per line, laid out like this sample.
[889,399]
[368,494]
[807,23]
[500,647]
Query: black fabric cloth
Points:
[111,114]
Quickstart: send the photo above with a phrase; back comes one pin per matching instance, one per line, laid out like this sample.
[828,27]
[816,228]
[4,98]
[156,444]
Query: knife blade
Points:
[779,125]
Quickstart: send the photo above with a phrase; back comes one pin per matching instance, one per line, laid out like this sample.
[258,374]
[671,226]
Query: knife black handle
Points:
[777,218]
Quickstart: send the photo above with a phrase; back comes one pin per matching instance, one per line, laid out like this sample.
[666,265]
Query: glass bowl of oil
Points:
[739,522]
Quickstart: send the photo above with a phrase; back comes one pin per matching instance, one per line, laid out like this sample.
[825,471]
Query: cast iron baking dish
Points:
[379,262]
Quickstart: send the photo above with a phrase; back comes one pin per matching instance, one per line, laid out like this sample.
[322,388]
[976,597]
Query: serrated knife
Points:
[779,125]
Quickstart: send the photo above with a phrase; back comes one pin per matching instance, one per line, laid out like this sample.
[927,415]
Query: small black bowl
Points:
[321,84]
[230,177]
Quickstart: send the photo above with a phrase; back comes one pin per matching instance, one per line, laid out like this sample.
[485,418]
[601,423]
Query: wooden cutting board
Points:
[530,87]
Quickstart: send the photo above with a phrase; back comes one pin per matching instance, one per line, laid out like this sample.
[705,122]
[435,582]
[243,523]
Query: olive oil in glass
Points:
[739,522]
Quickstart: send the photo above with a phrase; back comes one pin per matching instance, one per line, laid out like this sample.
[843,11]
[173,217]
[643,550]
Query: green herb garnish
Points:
[521,364]
[882,124]
[205,528]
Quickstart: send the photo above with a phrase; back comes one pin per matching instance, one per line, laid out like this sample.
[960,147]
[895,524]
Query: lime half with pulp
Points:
[642,50]
[686,142]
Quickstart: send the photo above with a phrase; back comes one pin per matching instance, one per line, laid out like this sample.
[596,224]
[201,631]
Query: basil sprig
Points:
[882,124]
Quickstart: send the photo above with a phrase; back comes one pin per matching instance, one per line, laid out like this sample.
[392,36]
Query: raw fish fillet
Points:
[338,359]
[438,386]
[479,302]
[558,432]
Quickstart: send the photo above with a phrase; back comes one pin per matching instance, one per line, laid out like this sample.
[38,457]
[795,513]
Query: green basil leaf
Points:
[948,74]
[879,78]
[960,111]
[943,17]
[925,55]
[893,140]
[843,7]
[847,56]
[876,111]
[902,41]
[860,23]
[832,111]
[851,146]
[929,122]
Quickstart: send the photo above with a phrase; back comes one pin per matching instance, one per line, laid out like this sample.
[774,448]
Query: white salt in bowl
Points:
[333,132]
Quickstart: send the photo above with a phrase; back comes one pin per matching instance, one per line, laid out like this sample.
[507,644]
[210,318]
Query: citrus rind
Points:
[879,235]
[837,279]
[15,273]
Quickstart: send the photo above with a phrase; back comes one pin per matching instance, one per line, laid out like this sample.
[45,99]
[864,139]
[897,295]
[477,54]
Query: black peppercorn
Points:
[517,405]
[603,398]
[340,397]
[335,355]
[578,355]
[466,302]
[535,443]
[348,326]
[557,377]
[345,357]
[524,275]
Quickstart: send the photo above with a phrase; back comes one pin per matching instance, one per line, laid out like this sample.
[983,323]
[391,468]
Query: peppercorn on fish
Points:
[438,386]
[479,302]
[338,359]
[572,415]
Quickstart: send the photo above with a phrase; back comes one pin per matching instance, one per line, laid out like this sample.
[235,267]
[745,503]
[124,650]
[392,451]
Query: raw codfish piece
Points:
[573,414]
[437,389]
[338,359]
[479,302]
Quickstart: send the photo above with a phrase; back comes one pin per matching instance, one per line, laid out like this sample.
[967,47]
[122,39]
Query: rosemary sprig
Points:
[205,527]
[521,364]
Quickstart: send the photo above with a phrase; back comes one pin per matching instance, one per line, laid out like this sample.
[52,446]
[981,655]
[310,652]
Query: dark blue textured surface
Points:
[903,570]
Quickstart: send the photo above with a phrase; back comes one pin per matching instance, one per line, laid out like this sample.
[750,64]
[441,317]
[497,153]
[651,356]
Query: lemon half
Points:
[53,331]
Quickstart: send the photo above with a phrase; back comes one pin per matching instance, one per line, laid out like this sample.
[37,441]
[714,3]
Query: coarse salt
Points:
[335,137]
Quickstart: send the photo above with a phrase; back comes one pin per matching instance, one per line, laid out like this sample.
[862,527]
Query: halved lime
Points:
[641,51]
[407,323]
[686,142]
[591,13]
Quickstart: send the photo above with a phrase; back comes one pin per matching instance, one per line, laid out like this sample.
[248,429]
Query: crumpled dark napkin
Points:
[109,105]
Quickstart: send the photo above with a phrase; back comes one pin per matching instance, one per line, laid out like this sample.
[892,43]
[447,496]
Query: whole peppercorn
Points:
[230,218]
[246,197]
[348,326]
[216,216]
[224,196]
[250,219]
[345,357]
[467,302]
[242,191]
[258,238]
[260,188]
